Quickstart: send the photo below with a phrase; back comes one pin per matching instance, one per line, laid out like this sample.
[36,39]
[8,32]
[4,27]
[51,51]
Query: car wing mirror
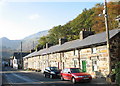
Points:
[69,72]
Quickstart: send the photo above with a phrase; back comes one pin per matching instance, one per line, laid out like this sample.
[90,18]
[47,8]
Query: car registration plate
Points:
[86,78]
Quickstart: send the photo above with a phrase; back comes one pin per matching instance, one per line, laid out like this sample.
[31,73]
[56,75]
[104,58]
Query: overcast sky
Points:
[19,19]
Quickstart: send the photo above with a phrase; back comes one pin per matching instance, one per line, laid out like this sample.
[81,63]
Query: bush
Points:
[118,73]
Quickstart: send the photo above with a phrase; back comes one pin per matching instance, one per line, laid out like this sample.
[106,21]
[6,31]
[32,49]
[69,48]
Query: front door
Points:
[84,66]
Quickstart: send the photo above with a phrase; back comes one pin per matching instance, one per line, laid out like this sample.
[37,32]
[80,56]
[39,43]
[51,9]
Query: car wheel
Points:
[73,80]
[62,78]
[51,76]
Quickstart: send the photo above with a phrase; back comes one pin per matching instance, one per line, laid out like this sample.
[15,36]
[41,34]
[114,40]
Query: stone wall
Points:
[96,60]
[115,50]
[54,60]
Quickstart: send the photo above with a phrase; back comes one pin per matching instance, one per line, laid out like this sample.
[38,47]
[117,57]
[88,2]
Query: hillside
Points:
[9,46]
[32,40]
[90,19]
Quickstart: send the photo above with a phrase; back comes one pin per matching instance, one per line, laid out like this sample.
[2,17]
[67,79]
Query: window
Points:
[47,68]
[15,61]
[75,52]
[53,68]
[94,50]
[62,54]
[94,65]
[75,70]
[65,70]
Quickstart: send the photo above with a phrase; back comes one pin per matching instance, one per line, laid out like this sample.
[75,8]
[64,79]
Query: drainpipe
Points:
[21,66]
[61,66]
[79,57]
[48,60]
[60,61]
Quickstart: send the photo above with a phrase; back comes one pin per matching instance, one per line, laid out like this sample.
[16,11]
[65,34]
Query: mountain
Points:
[9,46]
[37,35]
[13,44]
[32,40]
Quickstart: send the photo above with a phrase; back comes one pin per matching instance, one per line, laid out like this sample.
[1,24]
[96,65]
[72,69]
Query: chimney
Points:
[84,34]
[62,41]
[38,48]
[32,50]
[90,29]
[47,45]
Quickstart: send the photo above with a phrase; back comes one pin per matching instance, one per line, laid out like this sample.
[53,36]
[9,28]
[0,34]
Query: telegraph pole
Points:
[21,56]
[33,45]
[107,34]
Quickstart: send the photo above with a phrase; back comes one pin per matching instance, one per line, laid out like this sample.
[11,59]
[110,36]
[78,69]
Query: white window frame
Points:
[75,52]
[94,65]
[94,50]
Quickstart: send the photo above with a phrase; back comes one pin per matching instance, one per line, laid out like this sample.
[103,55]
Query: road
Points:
[13,77]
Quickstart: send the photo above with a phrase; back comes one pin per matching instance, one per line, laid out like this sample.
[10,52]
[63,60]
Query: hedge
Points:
[118,73]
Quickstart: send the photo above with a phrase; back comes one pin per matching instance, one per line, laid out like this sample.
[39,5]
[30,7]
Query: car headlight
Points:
[52,72]
[89,76]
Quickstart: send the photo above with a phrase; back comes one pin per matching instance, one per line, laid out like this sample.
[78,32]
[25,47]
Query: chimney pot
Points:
[32,50]
[46,45]
[62,41]
[38,48]
[84,34]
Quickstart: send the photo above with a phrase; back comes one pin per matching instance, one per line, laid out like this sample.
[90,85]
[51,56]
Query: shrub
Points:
[118,73]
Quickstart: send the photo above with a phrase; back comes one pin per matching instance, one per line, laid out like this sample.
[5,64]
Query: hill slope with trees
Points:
[90,18]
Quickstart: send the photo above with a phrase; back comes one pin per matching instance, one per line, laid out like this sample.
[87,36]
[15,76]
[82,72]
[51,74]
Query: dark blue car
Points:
[51,72]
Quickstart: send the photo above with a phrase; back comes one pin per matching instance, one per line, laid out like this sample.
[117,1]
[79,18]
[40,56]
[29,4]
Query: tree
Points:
[42,41]
[89,18]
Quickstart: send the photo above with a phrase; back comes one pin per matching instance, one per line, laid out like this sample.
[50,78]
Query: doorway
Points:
[84,66]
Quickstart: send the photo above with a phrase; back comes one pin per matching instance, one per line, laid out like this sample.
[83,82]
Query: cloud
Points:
[34,16]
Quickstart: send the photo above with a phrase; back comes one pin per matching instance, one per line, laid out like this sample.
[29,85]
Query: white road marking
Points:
[24,78]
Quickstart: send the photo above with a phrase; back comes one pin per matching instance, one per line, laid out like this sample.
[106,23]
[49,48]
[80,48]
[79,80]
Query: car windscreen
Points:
[76,70]
[54,68]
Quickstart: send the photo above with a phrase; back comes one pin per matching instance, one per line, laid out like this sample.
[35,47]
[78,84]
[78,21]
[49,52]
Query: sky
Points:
[21,18]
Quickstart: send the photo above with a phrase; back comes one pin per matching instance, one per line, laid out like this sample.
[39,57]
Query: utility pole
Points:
[107,34]
[21,56]
[33,45]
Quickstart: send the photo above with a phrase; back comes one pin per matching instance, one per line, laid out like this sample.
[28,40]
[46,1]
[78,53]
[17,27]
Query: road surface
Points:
[13,77]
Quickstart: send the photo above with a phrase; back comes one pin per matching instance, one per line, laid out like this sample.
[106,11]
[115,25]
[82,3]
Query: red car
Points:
[75,75]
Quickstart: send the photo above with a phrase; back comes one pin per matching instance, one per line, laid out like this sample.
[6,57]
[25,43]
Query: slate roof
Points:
[17,55]
[31,54]
[90,40]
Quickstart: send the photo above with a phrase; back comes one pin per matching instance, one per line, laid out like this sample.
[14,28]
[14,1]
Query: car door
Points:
[47,71]
[69,74]
[64,74]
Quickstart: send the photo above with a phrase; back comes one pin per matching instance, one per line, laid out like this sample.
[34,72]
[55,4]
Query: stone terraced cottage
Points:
[88,53]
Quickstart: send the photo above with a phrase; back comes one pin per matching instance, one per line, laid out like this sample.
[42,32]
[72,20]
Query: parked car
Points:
[51,72]
[75,75]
